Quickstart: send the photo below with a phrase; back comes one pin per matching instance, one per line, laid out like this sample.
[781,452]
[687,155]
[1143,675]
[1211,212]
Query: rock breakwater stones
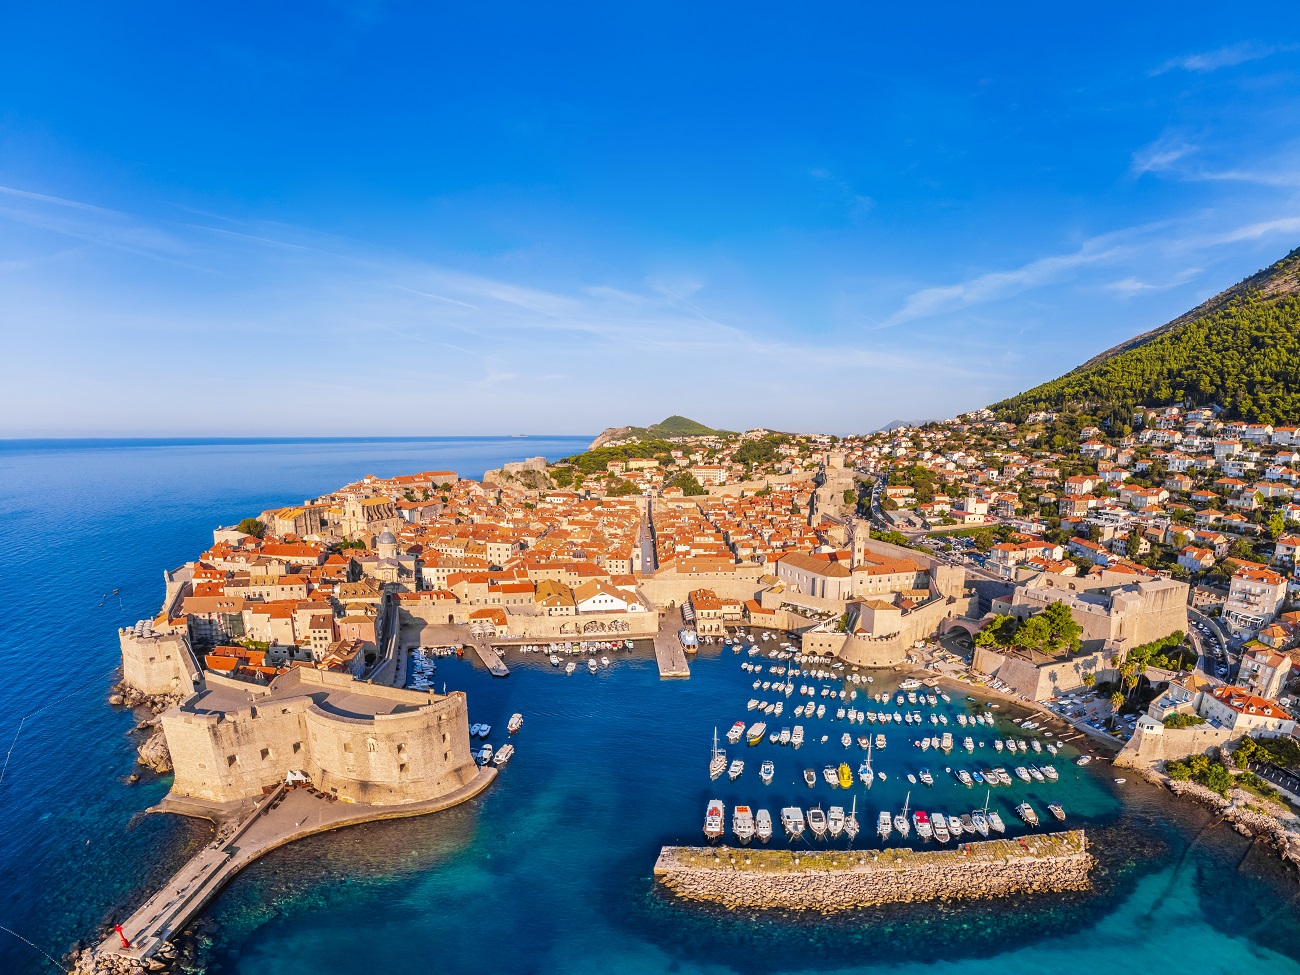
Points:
[834,881]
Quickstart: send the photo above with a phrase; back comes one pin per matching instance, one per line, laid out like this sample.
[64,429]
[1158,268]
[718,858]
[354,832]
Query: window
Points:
[231,760]
[347,748]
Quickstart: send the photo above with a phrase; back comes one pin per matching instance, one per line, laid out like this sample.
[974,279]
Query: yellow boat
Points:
[846,776]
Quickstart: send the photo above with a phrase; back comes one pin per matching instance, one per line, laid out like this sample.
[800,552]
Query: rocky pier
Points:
[839,880]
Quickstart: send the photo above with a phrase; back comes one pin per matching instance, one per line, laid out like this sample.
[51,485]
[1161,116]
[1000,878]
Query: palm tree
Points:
[1089,679]
[1116,701]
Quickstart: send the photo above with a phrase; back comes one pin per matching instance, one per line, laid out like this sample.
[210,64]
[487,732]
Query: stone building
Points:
[362,742]
[1112,608]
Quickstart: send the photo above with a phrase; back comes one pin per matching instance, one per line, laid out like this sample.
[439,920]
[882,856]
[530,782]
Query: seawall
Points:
[842,880]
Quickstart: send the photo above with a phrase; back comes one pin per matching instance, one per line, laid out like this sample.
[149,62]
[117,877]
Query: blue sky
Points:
[379,218]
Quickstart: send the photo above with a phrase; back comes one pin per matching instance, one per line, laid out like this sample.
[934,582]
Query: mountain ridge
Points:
[1240,350]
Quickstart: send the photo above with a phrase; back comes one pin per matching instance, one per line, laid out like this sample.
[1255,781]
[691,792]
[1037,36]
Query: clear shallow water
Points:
[549,871]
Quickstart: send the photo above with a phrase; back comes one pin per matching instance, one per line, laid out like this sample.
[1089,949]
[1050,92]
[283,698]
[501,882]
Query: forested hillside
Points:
[1240,350]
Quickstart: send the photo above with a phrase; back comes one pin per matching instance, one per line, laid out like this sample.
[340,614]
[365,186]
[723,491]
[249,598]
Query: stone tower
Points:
[859,532]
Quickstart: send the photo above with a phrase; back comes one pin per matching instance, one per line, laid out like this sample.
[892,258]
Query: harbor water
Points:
[550,870]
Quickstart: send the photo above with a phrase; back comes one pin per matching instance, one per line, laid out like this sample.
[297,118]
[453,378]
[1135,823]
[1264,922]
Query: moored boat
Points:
[793,821]
[713,819]
[736,768]
[736,732]
[1056,810]
[766,772]
[817,822]
[845,775]
[742,824]
[763,825]
[756,732]
[1026,812]
[883,825]
[516,722]
[504,755]
[835,820]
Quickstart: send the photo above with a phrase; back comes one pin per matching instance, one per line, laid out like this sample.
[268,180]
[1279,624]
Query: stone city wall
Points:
[158,664]
[1152,742]
[1043,681]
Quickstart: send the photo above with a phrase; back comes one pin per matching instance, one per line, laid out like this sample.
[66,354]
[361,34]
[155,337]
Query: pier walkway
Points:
[491,659]
[669,654]
[284,816]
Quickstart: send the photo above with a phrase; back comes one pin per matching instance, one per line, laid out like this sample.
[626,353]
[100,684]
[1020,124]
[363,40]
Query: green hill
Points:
[673,426]
[1240,350]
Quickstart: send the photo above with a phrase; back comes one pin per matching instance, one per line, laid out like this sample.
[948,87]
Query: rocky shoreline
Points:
[152,752]
[1275,825]
[830,882]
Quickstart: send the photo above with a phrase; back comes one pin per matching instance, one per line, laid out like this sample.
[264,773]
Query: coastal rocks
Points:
[1247,813]
[124,695]
[834,882]
[155,754]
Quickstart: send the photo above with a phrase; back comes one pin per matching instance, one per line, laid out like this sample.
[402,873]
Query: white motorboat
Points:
[756,732]
[817,822]
[736,733]
[742,824]
[604,661]
[939,826]
[763,825]
[736,768]
[516,722]
[792,820]
[883,826]
[504,755]
[796,736]
[570,667]
[591,664]
[713,819]
[831,775]
[555,661]
[835,820]
[1026,812]
[766,772]
[846,739]
[995,822]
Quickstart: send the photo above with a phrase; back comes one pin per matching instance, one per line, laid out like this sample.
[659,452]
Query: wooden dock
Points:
[669,655]
[491,660]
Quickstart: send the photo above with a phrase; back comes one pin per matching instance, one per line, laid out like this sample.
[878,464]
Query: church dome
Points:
[386,538]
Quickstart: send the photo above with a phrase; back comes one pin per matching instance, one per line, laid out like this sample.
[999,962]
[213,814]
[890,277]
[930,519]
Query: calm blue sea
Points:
[550,870]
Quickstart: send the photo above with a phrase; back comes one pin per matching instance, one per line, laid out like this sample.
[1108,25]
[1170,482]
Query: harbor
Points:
[836,881]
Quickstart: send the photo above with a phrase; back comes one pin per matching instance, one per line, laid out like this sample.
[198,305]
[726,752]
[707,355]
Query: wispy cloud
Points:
[1131,286]
[1160,156]
[1230,56]
[995,285]
[857,205]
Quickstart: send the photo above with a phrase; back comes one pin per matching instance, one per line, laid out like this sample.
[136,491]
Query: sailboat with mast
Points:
[718,763]
[980,817]
[851,822]
[865,772]
[901,822]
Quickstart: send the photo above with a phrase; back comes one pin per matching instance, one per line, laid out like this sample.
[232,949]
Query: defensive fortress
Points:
[361,742]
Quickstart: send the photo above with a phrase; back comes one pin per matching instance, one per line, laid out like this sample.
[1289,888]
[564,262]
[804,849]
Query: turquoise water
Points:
[549,871]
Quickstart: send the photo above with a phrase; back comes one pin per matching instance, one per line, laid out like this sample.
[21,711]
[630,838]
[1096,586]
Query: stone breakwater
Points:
[841,880]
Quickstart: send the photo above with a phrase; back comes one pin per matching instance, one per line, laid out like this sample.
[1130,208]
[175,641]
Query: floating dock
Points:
[491,660]
[670,656]
[834,880]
